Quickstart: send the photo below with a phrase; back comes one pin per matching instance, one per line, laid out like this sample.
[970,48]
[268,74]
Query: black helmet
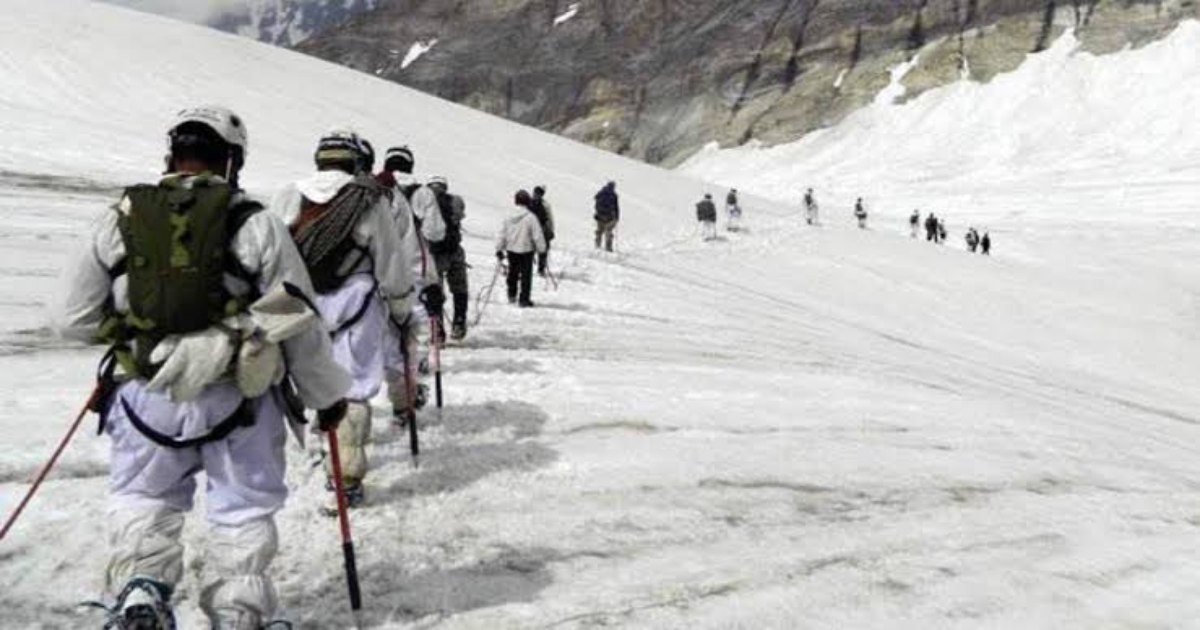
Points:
[399,159]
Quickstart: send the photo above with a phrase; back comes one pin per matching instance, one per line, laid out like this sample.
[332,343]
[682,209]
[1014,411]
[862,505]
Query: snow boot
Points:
[458,328]
[355,497]
[143,604]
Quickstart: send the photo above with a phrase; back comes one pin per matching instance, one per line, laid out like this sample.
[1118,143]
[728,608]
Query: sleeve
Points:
[264,247]
[391,244]
[425,207]
[550,219]
[87,283]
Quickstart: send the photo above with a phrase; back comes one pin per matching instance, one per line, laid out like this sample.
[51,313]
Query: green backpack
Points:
[177,255]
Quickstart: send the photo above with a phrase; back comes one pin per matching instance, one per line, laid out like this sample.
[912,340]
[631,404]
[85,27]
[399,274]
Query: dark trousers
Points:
[520,271]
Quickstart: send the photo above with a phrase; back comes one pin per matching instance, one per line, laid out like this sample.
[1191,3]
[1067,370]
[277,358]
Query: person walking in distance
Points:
[706,214]
[608,214]
[985,244]
[860,213]
[448,253]
[810,207]
[733,210]
[176,278]
[914,221]
[931,228]
[408,335]
[520,239]
[545,214]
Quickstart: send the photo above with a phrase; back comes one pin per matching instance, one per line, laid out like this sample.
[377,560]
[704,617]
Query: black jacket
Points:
[608,208]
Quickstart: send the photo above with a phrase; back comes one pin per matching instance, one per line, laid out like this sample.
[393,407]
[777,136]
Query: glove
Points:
[500,256]
[329,418]
[433,299]
[192,362]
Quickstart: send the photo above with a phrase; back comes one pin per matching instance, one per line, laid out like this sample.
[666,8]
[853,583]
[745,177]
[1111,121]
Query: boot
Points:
[143,604]
[458,329]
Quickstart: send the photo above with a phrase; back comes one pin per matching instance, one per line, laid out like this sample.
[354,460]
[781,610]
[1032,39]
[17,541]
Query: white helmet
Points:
[438,180]
[222,120]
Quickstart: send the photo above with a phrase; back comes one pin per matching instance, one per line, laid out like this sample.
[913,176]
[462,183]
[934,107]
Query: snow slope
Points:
[788,428]
[1068,139]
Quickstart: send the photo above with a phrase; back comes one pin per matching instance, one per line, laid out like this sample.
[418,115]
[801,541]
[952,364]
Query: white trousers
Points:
[360,348]
[399,359]
[153,486]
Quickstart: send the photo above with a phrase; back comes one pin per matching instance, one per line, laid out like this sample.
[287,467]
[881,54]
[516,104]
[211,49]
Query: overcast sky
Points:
[194,10]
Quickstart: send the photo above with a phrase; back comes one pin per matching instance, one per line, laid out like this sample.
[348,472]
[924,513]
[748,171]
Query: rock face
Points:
[288,22]
[658,79]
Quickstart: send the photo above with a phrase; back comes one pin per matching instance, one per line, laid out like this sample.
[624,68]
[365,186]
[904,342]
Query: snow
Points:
[416,50]
[841,78]
[571,11]
[787,428]
[895,89]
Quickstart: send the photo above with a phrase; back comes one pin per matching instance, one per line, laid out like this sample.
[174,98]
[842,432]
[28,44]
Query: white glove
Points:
[192,362]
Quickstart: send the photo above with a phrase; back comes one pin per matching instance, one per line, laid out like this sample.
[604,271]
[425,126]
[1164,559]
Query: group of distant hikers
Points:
[935,232]
[706,213]
[935,228]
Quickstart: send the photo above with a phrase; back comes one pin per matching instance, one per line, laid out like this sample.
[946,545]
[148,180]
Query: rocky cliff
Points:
[288,22]
[657,79]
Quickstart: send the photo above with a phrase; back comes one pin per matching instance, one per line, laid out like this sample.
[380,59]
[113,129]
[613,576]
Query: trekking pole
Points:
[344,523]
[481,302]
[41,476]
[437,360]
[410,411]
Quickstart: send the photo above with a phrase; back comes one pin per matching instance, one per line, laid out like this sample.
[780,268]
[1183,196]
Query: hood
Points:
[322,186]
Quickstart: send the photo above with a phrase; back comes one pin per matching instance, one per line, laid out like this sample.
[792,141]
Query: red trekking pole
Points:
[41,476]
[335,461]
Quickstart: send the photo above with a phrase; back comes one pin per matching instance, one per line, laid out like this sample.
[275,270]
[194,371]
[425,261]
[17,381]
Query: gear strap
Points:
[243,416]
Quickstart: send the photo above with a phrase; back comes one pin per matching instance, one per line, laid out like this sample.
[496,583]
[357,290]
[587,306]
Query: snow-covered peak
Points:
[288,22]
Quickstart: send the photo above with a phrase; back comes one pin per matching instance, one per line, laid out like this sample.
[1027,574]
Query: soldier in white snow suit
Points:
[200,365]
[860,213]
[342,222]
[403,354]
[520,238]
[810,207]
[733,210]
[914,221]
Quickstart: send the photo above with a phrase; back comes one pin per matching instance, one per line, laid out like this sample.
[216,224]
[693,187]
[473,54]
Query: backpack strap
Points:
[243,416]
[239,214]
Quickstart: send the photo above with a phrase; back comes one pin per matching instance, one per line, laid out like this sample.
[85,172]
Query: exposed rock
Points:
[657,79]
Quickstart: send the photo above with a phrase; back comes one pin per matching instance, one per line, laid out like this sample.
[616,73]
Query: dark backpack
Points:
[177,256]
[453,239]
